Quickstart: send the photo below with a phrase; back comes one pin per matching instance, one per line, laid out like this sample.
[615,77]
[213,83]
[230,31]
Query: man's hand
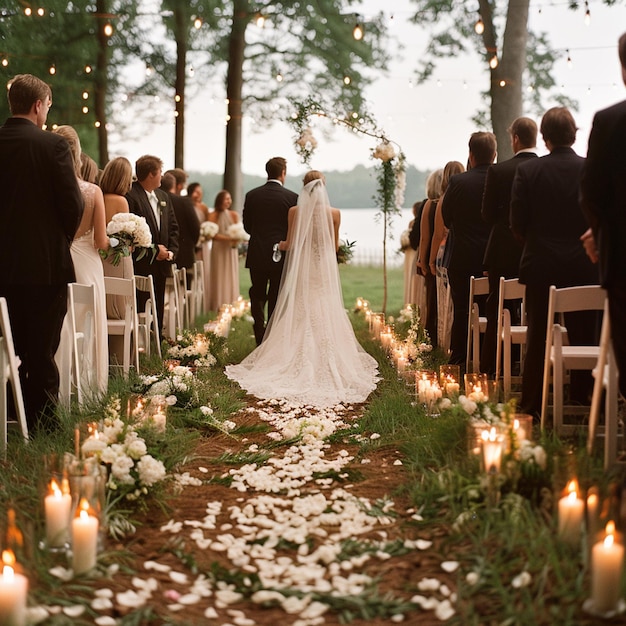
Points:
[163,253]
[589,243]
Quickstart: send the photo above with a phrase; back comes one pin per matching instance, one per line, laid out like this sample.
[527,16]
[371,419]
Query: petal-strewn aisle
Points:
[302,533]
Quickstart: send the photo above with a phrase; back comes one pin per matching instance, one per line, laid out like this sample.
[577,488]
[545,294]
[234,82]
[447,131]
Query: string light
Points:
[85,109]
[357,32]
[260,20]
[108,29]
[85,95]
[87,69]
[176,98]
[52,70]
[5,62]
[97,124]
[503,83]
[587,14]
[493,61]
[197,23]
[347,80]
[28,11]
[41,12]
[279,77]
[479,27]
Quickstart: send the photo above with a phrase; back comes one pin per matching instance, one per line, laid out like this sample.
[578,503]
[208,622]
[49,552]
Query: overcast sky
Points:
[432,122]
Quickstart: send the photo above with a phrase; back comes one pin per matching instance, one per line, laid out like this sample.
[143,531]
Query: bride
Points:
[310,354]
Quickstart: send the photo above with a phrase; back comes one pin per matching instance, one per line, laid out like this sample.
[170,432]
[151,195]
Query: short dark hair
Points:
[526,131]
[558,127]
[275,167]
[146,165]
[24,90]
[621,49]
[168,181]
[180,176]
[483,146]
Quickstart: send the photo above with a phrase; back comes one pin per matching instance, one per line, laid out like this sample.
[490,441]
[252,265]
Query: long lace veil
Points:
[310,270]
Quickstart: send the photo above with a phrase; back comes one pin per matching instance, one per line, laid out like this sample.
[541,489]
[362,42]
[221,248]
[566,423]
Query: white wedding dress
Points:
[309,354]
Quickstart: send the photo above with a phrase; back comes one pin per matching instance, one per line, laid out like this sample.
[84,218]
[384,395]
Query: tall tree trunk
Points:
[181,29]
[233,179]
[101,82]
[506,100]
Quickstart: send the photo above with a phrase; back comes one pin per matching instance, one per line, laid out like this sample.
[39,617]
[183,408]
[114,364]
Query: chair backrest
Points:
[148,318]
[82,312]
[581,298]
[478,287]
[180,279]
[126,287]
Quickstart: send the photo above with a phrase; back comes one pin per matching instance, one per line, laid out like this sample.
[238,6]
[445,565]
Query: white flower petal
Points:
[450,566]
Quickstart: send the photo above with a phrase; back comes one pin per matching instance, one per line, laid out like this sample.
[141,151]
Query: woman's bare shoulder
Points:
[116,203]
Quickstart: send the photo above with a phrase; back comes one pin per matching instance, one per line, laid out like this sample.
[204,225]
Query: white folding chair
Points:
[9,374]
[127,327]
[76,370]
[147,320]
[561,356]
[180,275]
[606,375]
[198,288]
[172,313]
[508,334]
[476,323]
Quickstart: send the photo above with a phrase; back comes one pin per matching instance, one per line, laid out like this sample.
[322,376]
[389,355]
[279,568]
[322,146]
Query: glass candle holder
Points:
[428,391]
[449,380]
[476,387]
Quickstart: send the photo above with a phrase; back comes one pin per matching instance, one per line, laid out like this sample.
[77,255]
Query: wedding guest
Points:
[203,249]
[188,224]
[418,288]
[265,219]
[546,216]
[310,354]
[439,259]
[503,252]
[224,272]
[603,201]
[460,209]
[89,237]
[146,199]
[115,183]
[40,212]
[410,257]
[88,168]
[427,226]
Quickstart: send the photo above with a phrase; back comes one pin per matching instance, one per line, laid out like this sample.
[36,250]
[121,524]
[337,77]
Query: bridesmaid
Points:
[203,251]
[224,272]
[115,181]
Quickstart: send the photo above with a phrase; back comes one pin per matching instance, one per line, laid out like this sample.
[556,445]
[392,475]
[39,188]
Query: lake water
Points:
[362,226]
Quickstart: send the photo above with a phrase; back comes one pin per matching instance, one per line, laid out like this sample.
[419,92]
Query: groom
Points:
[265,219]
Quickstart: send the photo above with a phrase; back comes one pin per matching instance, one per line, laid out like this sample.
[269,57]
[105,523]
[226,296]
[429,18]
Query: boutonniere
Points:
[163,203]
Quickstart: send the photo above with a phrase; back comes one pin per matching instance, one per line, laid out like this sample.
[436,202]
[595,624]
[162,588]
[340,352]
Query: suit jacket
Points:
[167,234]
[503,251]
[188,230]
[41,206]
[546,214]
[462,204]
[265,212]
[603,190]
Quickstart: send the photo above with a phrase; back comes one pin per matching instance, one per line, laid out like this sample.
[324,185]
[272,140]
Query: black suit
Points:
[603,201]
[188,230]
[166,234]
[546,215]
[503,252]
[40,210]
[461,207]
[265,212]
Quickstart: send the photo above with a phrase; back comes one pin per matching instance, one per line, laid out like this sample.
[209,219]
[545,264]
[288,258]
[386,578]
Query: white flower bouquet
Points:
[236,231]
[384,151]
[193,349]
[208,230]
[128,232]
[405,240]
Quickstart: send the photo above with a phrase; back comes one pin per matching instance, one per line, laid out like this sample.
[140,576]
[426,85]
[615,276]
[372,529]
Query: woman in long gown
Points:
[203,252]
[90,236]
[309,354]
[224,270]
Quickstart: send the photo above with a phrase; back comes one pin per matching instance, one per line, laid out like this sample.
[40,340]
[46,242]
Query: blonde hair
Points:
[117,176]
[313,175]
[71,136]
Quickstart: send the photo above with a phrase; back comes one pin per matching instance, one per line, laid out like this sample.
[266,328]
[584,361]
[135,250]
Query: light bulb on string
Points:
[177,98]
[41,12]
[85,109]
[493,61]
[347,80]
[197,23]
[87,69]
[85,95]
[108,29]
[28,11]
[587,14]
[503,83]
[357,32]
[479,27]
[52,70]
[279,77]
[260,20]
[97,124]
[5,62]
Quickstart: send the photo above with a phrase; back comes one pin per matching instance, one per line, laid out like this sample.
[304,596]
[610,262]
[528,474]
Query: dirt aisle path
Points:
[275,526]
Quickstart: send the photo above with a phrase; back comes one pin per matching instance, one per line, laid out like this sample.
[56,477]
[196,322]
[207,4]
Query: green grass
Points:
[357,281]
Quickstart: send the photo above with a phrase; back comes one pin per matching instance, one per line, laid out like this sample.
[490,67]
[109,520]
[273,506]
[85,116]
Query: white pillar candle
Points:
[492,450]
[401,363]
[84,540]
[159,421]
[13,592]
[58,506]
[571,510]
[607,558]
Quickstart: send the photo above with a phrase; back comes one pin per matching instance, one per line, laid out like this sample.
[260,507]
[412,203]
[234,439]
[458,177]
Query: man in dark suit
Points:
[265,220]
[503,251]
[146,199]
[603,201]
[173,182]
[40,211]
[462,204]
[546,217]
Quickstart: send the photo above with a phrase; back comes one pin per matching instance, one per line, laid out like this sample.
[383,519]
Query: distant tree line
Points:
[352,189]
